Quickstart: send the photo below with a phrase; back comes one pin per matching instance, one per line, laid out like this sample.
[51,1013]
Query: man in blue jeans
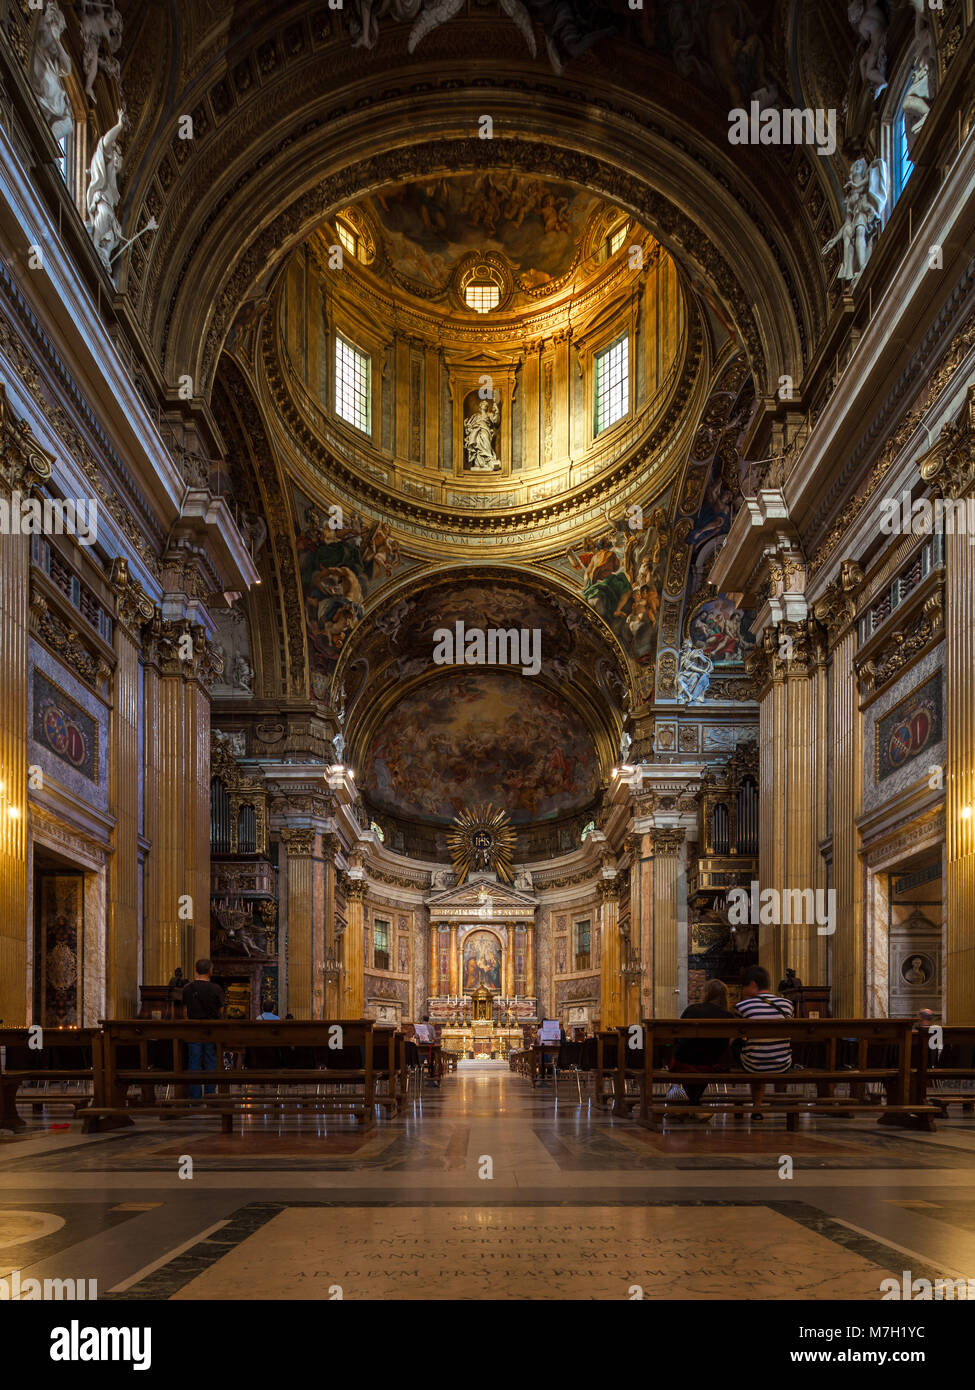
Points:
[202,999]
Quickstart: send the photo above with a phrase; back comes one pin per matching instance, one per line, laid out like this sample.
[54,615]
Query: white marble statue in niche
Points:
[481,429]
[49,66]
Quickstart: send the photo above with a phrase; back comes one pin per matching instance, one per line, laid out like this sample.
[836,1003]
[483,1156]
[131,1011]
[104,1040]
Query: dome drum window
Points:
[483,283]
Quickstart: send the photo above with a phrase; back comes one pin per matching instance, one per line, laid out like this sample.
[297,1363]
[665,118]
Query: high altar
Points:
[482,965]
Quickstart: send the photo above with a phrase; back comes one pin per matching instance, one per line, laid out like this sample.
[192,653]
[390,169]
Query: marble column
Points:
[300,845]
[959,704]
[433,989]
[330,847]
[529,959]
[132,610]
[23,465]
[638,1003]
[509,961]
[789,859]
[454,972]
[665,845]
[354,1000]
[611,1003]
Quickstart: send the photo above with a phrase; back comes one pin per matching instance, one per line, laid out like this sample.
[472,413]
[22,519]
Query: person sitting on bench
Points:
[762,1054]
[702,1054]
[203,999]
[426,1033]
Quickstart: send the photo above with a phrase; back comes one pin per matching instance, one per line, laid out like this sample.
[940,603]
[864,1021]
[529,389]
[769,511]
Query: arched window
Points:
[902,166]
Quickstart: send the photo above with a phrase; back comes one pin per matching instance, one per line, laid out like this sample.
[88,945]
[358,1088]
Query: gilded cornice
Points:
[940,380]
[97,471]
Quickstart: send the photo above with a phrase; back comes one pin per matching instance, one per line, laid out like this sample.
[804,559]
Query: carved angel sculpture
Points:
[103,194]
[866,199]
[49,65]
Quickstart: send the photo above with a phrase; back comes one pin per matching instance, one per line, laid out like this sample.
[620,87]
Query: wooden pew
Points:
[66,1055]
[954,1061]
[112,1104]
[616,1063]
[904,1104]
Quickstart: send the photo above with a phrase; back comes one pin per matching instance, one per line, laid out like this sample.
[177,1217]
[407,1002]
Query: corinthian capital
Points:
[837,607]
[181,648]
[133,607]
[667,840]
[949,466]
[23,463]
[300,841]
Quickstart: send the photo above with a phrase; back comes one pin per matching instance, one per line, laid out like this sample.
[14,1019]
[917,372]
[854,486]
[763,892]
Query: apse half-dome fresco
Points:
[479,736]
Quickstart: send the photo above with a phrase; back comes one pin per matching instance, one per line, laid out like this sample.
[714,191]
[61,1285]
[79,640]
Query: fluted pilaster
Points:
[433,989]
[354,999]
[23,465]
[611,1003]
[665,845]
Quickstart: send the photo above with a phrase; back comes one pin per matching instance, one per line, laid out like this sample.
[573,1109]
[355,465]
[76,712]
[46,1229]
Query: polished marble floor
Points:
[488,1189]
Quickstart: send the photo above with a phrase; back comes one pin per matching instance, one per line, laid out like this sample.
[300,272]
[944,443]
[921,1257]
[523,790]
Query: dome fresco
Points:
[481,737]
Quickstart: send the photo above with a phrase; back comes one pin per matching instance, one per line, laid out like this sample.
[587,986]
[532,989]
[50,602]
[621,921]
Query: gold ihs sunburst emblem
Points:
[482,839]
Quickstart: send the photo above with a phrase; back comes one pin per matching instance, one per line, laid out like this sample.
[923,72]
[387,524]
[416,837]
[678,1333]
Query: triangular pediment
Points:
[480,896]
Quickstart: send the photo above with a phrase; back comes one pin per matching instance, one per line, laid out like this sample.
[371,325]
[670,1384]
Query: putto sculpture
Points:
[101,34]
[871,22]
[866,199]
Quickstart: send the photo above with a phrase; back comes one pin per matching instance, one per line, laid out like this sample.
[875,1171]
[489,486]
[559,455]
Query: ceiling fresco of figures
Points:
[480,736]
[537,225]
[638,569]
[341,558]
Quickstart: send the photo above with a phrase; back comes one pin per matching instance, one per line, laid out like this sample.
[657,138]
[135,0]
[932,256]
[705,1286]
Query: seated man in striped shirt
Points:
[762,1054]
